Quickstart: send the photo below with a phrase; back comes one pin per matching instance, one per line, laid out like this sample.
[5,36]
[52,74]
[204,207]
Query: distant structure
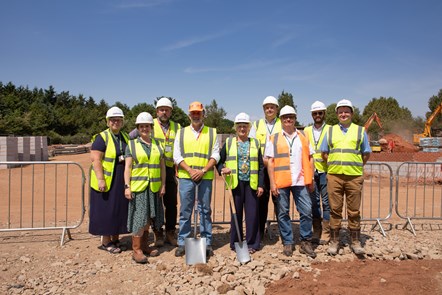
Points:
[26,148]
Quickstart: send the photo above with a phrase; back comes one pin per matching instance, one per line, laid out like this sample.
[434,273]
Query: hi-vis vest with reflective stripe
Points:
[196,151]
[320,164]
[282,174]
[232,162]
[145,169]
[345,155]
[108,161]
[167,145]
[261,131]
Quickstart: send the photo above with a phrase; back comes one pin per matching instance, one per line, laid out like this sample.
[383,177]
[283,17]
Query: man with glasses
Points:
[346,150]
[290,166]
[315,134]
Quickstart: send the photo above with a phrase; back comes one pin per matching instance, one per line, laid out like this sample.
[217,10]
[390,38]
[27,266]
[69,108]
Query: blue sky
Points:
[236,52]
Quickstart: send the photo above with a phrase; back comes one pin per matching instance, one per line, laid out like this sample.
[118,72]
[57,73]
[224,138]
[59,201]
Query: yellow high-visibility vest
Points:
[262,132]
[166,140]
[145,170]
[320,164]
[108,161]
[196,151]
[232,162]
[345,155]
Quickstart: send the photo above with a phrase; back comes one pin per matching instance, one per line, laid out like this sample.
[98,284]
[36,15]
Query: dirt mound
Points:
[400,144]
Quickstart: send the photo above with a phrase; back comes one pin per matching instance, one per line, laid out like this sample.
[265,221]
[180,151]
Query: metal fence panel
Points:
[41,196]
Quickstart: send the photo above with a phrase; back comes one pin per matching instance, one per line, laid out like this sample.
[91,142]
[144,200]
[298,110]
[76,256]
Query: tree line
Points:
[67,118]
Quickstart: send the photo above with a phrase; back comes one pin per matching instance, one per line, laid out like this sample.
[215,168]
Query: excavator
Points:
[374,144]
[427,128]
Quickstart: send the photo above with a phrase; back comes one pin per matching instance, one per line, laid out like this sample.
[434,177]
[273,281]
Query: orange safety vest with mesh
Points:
[281,158]
[196,151]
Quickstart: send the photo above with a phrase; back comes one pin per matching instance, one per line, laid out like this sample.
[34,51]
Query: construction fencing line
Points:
[41,196]
[418,192]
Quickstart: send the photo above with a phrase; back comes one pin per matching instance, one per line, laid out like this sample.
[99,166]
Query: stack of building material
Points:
[430,144]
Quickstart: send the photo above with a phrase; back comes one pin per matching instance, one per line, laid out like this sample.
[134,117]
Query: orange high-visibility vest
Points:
[282,175]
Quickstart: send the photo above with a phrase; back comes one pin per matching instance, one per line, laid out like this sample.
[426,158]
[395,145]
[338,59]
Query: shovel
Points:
[241,248]
[195,247]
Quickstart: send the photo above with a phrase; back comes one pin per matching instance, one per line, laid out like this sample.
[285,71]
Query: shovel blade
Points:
[242,252]
[195,250]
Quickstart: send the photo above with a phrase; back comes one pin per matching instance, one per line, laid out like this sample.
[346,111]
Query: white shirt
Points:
[178,158]
[294,144]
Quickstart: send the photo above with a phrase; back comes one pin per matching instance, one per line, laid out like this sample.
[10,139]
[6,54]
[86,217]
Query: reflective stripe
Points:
[139,178]
[342,163]
[349,151]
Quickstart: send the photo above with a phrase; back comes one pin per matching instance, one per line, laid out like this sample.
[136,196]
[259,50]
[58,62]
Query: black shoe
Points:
[209,251]
[180,251]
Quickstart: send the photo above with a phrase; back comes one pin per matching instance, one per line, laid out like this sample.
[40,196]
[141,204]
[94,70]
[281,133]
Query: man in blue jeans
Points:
[290,167]
[195,152]
[316,134]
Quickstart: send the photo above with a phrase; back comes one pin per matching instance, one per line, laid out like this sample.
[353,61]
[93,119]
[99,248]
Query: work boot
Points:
[180,251]
[288,250]
[138,255]
[306,248]
[325,238]
[317,230]
[149,251]
[159,238]
[209,251]
[333,246]
[170,238]
[355,242]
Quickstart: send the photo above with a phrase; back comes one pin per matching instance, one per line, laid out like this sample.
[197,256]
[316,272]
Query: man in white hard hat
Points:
[315,133]
[290,166]
[262,130]
[196,151]
[346,150]
[164,131]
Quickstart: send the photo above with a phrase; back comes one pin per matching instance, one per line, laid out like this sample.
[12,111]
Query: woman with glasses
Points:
[108,206]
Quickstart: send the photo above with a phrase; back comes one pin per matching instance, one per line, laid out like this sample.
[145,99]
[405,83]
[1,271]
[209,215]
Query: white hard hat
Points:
[114,112]
[287,110]
[270,100]
[344,103]
[144,118]
[164,102]
[242,118]
[318,106]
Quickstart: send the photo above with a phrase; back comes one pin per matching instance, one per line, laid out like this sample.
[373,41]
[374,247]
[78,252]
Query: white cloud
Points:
[193,41]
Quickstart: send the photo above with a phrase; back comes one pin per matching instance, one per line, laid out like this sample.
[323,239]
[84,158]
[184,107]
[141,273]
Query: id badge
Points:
[121,158]
[168,149]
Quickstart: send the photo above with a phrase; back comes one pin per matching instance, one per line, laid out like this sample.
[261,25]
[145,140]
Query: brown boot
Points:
[138,255]
[170,238]
[333,246]
[307,249]
[317,230]
[149,251]
[355,242]
[325,238]
[159,238]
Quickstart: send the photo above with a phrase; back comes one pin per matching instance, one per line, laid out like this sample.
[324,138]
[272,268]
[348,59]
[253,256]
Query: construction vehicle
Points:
[427,128]
[374,144]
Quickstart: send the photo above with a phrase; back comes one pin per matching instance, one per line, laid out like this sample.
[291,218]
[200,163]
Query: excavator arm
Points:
[428,124]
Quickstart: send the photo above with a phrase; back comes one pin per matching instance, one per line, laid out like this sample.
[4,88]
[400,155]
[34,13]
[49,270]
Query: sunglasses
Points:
[317,113]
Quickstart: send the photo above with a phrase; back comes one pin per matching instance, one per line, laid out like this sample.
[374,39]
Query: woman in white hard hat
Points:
[145,185]
[108,206]
[241,161]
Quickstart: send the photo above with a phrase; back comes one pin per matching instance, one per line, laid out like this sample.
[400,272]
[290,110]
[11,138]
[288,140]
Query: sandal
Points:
[119,244]
[110,247]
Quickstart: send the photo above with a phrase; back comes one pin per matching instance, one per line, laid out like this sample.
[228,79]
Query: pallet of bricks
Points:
[70,149]
[431,144]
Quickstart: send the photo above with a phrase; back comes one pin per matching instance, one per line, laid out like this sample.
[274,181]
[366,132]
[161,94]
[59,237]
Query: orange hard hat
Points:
[196,106]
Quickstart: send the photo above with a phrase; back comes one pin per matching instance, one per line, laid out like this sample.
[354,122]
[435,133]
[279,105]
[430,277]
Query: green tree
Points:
[214,115]
[286,99]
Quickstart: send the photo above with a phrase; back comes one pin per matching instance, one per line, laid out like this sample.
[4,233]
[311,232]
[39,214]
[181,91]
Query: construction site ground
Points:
[35,263]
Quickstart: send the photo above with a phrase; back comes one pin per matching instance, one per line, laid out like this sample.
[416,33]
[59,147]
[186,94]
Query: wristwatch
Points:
[126,186]
[204,170]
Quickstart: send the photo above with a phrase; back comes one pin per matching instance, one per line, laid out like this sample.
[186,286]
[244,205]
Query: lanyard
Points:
[117,138]
[316,141]
[166,134]
[290,142]
[273,127]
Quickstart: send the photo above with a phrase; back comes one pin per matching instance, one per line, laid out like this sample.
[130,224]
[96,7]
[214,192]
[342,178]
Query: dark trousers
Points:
[170,199]
[246,201]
